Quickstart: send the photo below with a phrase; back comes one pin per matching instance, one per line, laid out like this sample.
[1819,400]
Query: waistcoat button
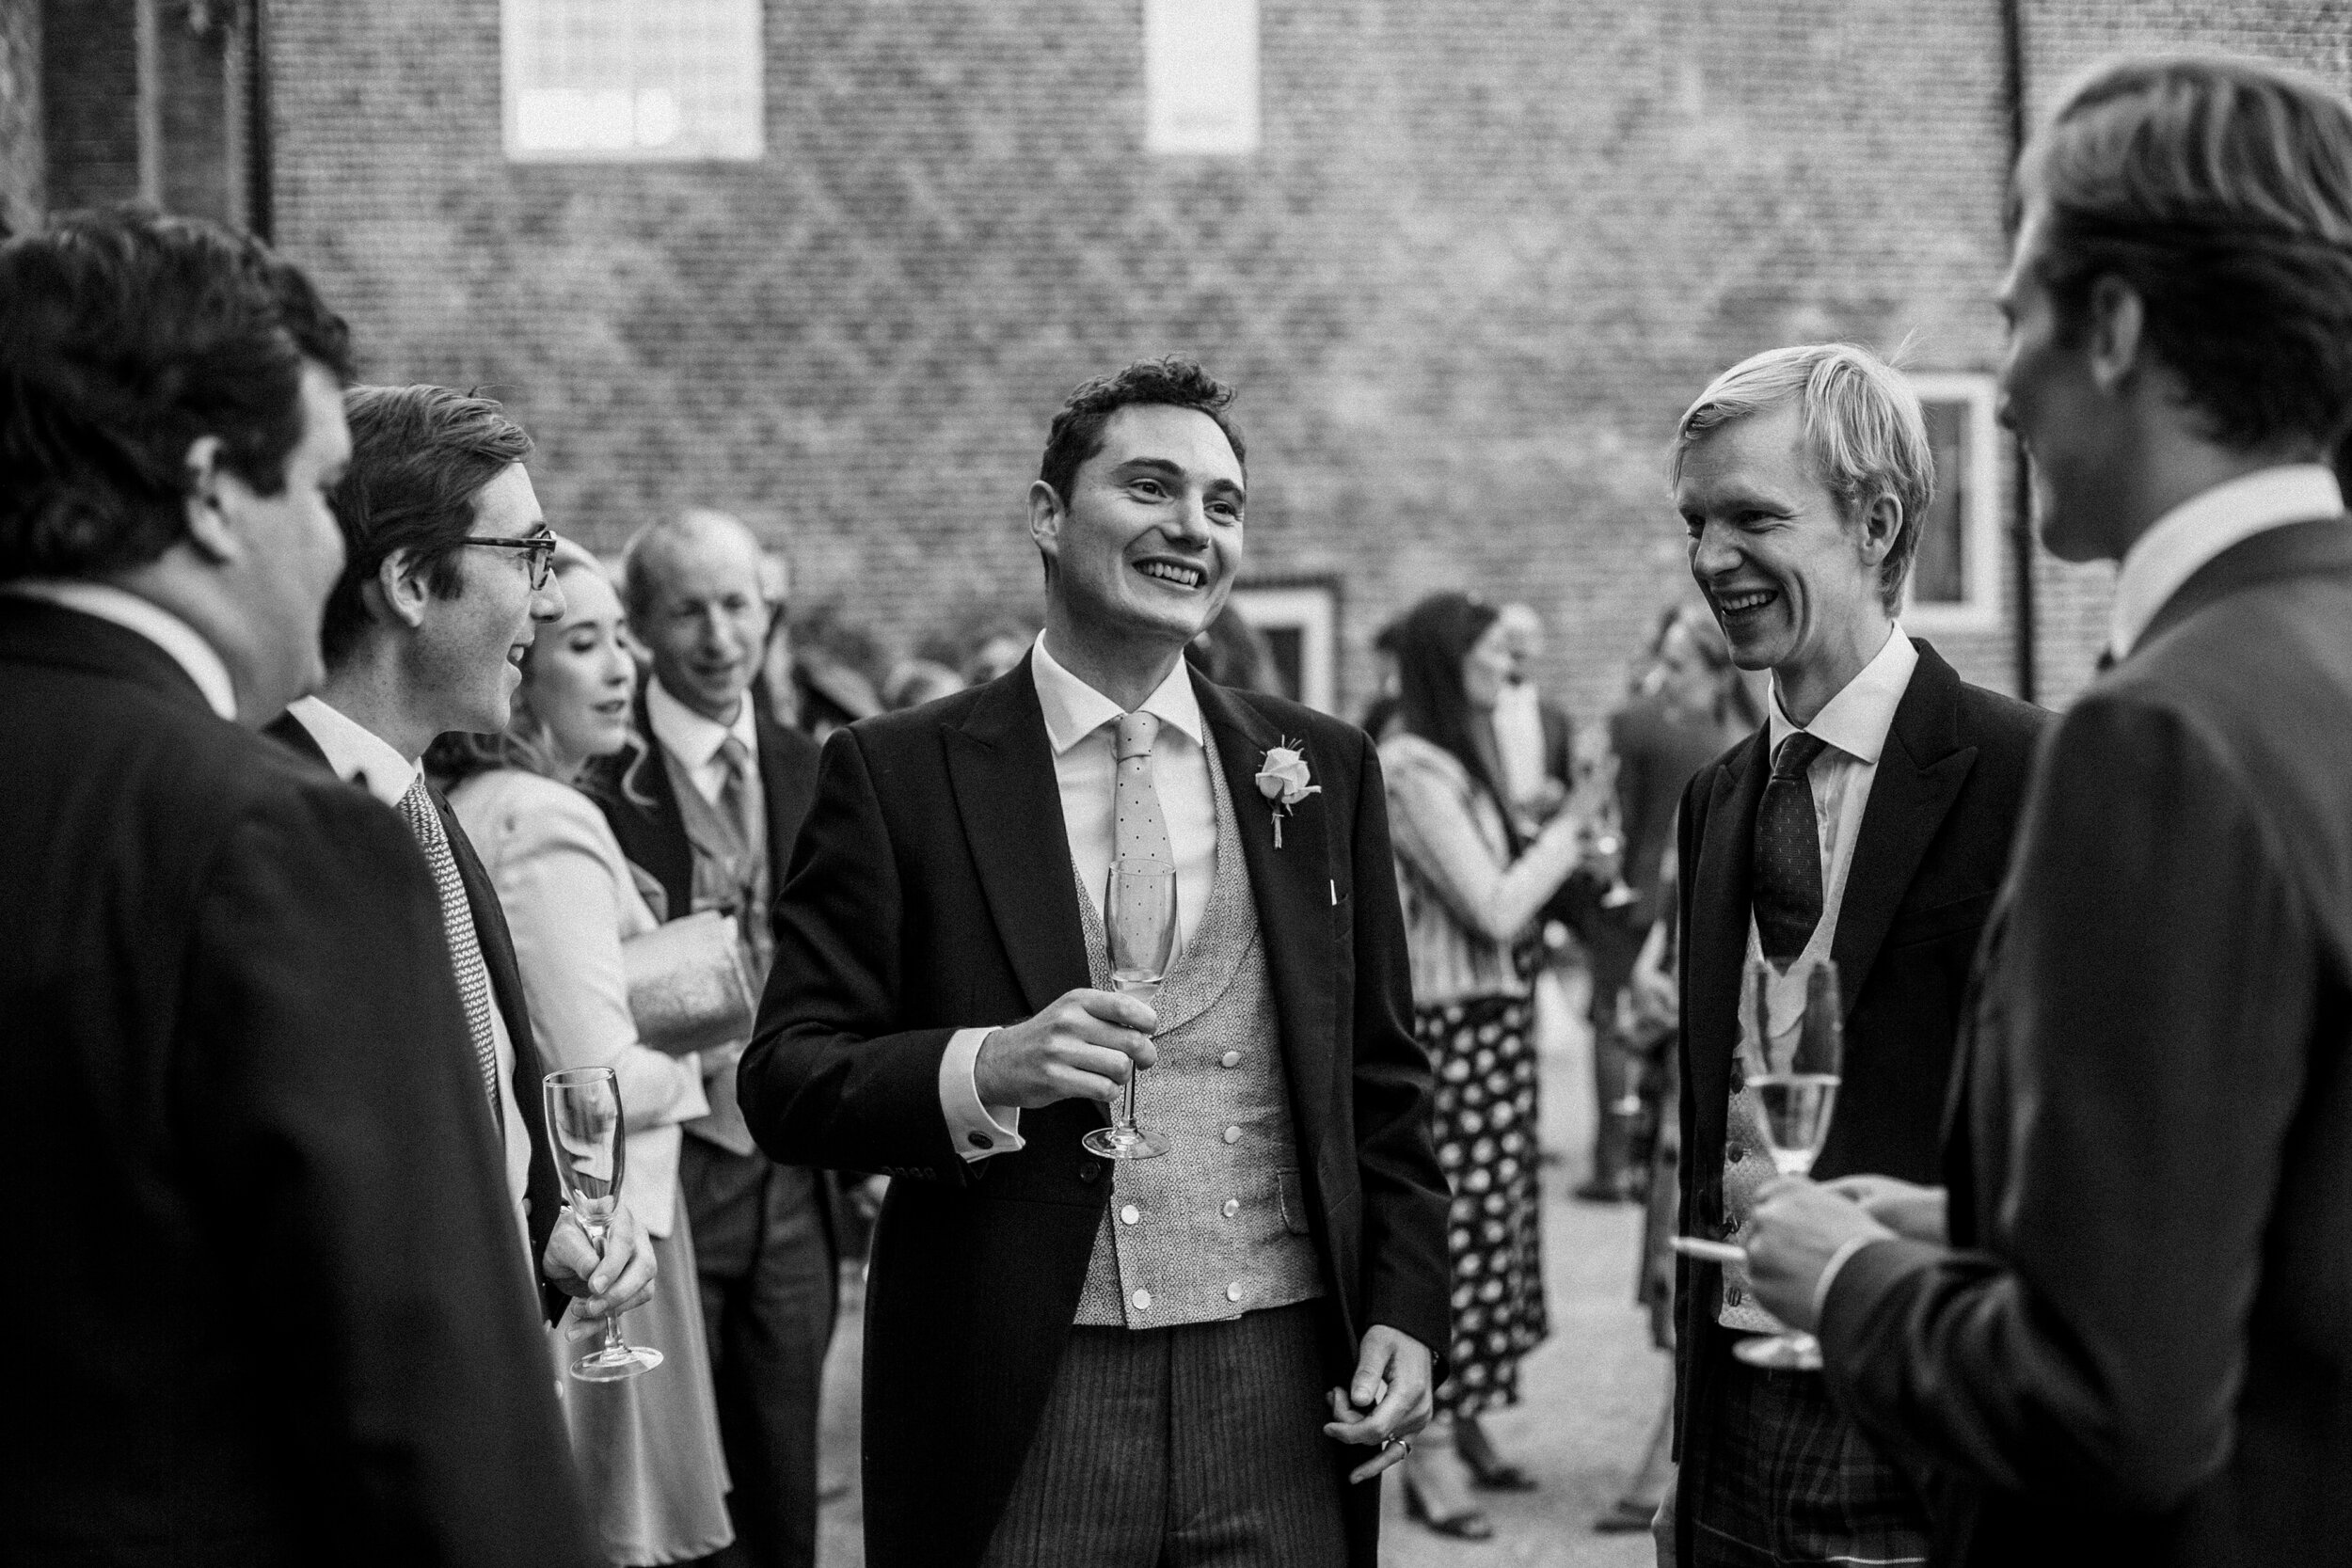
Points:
[1130,1214]
[1232,1058]
[1233,1292]
[1143,1301]
[1089,1169]
[1232,1134]
[1230,1207]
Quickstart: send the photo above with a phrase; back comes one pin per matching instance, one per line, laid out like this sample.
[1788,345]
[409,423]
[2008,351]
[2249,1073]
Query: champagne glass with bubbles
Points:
[1140,927]
[1792,1050]
[584,1133]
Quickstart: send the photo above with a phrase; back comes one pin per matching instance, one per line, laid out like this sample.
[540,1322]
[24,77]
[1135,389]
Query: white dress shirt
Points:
[182,642]
[2201,528]
[695,740]
[359,755]
[1080,723]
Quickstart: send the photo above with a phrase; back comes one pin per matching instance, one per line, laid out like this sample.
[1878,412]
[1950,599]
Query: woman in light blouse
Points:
[647,1447]
[1472,889]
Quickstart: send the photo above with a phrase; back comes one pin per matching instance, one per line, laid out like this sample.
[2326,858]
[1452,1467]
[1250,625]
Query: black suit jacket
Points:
[267,1309]
[2139,1349]
[931,890]
[1934,842]
[542,1195]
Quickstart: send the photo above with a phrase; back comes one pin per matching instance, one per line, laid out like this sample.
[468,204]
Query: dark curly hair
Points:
[418,458]
[2219,190]
[124,338]
[1078,431]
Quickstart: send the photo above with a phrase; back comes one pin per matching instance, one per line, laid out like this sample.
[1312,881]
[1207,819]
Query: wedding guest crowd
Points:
[347,802]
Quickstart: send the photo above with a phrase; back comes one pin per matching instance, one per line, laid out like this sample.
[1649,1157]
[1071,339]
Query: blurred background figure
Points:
[994,647]
[1534,741]
[837,669]
[648,1446]
[1471,887]
[774,688]
[915,681]
[1234,655]
[1381,713]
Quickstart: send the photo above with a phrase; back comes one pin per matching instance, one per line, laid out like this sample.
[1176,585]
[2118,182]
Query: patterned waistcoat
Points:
[1218,1224]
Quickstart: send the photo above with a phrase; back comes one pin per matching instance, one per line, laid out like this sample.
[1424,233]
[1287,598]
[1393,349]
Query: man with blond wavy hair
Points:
[1868,823]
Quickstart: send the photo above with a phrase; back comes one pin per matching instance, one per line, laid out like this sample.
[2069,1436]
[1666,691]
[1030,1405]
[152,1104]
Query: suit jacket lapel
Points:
[2324,544]
[1291,886]
[1716,947]
[658,841]
[1001,767]
[1920,770]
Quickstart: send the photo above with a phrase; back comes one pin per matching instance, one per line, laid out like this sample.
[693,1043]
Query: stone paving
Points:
[1588,1395]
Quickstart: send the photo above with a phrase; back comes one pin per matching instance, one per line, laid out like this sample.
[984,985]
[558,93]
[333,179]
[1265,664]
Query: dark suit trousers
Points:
[1196,1446]
[769,1295]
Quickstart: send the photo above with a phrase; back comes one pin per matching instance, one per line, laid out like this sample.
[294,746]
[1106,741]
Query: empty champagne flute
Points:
[1140,927]
[1792,1050]
[584,1132]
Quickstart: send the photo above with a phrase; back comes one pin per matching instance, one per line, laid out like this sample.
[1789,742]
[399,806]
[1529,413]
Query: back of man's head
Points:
[420,455]
[2219,190]
[1863,428]
[125,337]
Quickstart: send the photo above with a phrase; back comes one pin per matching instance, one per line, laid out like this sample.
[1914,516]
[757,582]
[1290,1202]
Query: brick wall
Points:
[22,156]
[1488,252]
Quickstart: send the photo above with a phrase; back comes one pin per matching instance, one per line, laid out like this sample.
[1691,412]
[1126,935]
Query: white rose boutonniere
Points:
[1282,780]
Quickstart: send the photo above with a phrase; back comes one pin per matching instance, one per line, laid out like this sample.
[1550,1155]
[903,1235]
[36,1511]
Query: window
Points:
[1300,622]
[1201,76]
[610,81]
[1956,576]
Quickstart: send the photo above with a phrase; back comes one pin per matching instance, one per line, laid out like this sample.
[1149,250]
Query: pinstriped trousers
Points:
[1195,1446]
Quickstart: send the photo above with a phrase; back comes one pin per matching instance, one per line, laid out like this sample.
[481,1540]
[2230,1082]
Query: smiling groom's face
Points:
[1148,539]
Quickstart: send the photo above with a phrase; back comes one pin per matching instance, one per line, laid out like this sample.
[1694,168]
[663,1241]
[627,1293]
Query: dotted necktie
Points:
[1141,832]
[465,949]
[1786,886]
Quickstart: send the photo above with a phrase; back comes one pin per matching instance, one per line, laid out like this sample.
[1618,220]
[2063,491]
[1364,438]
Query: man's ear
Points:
[2117,318]
[398,590]
[1045,516]
[1882,524]
[210,495]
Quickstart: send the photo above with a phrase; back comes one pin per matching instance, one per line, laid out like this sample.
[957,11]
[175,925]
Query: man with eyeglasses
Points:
[448,563]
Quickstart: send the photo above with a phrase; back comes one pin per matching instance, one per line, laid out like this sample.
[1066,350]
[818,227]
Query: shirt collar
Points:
[182,642]
[1074,710]
[689,737]
[356,754]
[2201,528]
[1857,719]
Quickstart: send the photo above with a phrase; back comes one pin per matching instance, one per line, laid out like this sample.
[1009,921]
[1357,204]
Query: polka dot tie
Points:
[465,948]
[1140,830]
[1786,889]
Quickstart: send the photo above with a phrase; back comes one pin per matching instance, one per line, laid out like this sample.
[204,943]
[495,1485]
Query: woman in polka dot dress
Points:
[1471,885]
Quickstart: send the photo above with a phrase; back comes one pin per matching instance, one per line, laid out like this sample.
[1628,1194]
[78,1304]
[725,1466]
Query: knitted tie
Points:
[465,950]
[1141,832]
[1786,888]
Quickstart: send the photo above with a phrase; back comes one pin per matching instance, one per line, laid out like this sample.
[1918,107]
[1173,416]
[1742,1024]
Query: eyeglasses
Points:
[539,548]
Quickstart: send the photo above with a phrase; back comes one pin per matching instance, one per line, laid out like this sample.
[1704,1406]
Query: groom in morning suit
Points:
[267,1309]
[2133,1344]
[1868,823]
[1073,1361]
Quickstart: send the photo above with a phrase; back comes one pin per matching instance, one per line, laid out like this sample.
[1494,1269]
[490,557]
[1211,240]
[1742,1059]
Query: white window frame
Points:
[1311,608]
[638,99]
[1189,45]
[1979,609]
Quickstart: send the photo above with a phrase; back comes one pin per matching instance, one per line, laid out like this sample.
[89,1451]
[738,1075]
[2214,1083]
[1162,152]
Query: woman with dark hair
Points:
[1471,887]
[647,1447]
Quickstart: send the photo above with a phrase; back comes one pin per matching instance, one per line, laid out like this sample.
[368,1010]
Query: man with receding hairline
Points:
[709,814]
[2119,1329]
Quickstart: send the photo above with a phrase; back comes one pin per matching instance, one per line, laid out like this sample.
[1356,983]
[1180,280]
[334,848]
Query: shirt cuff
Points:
[979,1131]
[1829,1273]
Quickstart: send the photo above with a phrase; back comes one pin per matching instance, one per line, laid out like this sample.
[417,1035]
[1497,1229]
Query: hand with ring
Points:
[1389,1401]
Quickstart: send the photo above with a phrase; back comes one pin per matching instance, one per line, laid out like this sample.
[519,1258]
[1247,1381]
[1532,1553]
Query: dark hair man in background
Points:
[267,1309]
[447,564]
[2131,1346]
[710,812]
[1869,823]
[1073,1361]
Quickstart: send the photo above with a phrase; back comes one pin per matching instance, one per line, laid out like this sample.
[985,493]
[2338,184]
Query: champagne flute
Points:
[1140,927]
[1794,1073]
[584,1133]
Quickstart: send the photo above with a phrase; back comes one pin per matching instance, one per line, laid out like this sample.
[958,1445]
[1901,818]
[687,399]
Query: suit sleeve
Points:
[831,1079]
[2148,997]
[330,1095]
[1407,1284]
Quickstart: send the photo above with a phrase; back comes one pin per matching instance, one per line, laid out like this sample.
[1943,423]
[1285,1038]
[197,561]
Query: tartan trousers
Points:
[1776,1476]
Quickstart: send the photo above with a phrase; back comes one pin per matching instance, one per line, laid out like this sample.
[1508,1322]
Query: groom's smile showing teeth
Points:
[1175,573]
